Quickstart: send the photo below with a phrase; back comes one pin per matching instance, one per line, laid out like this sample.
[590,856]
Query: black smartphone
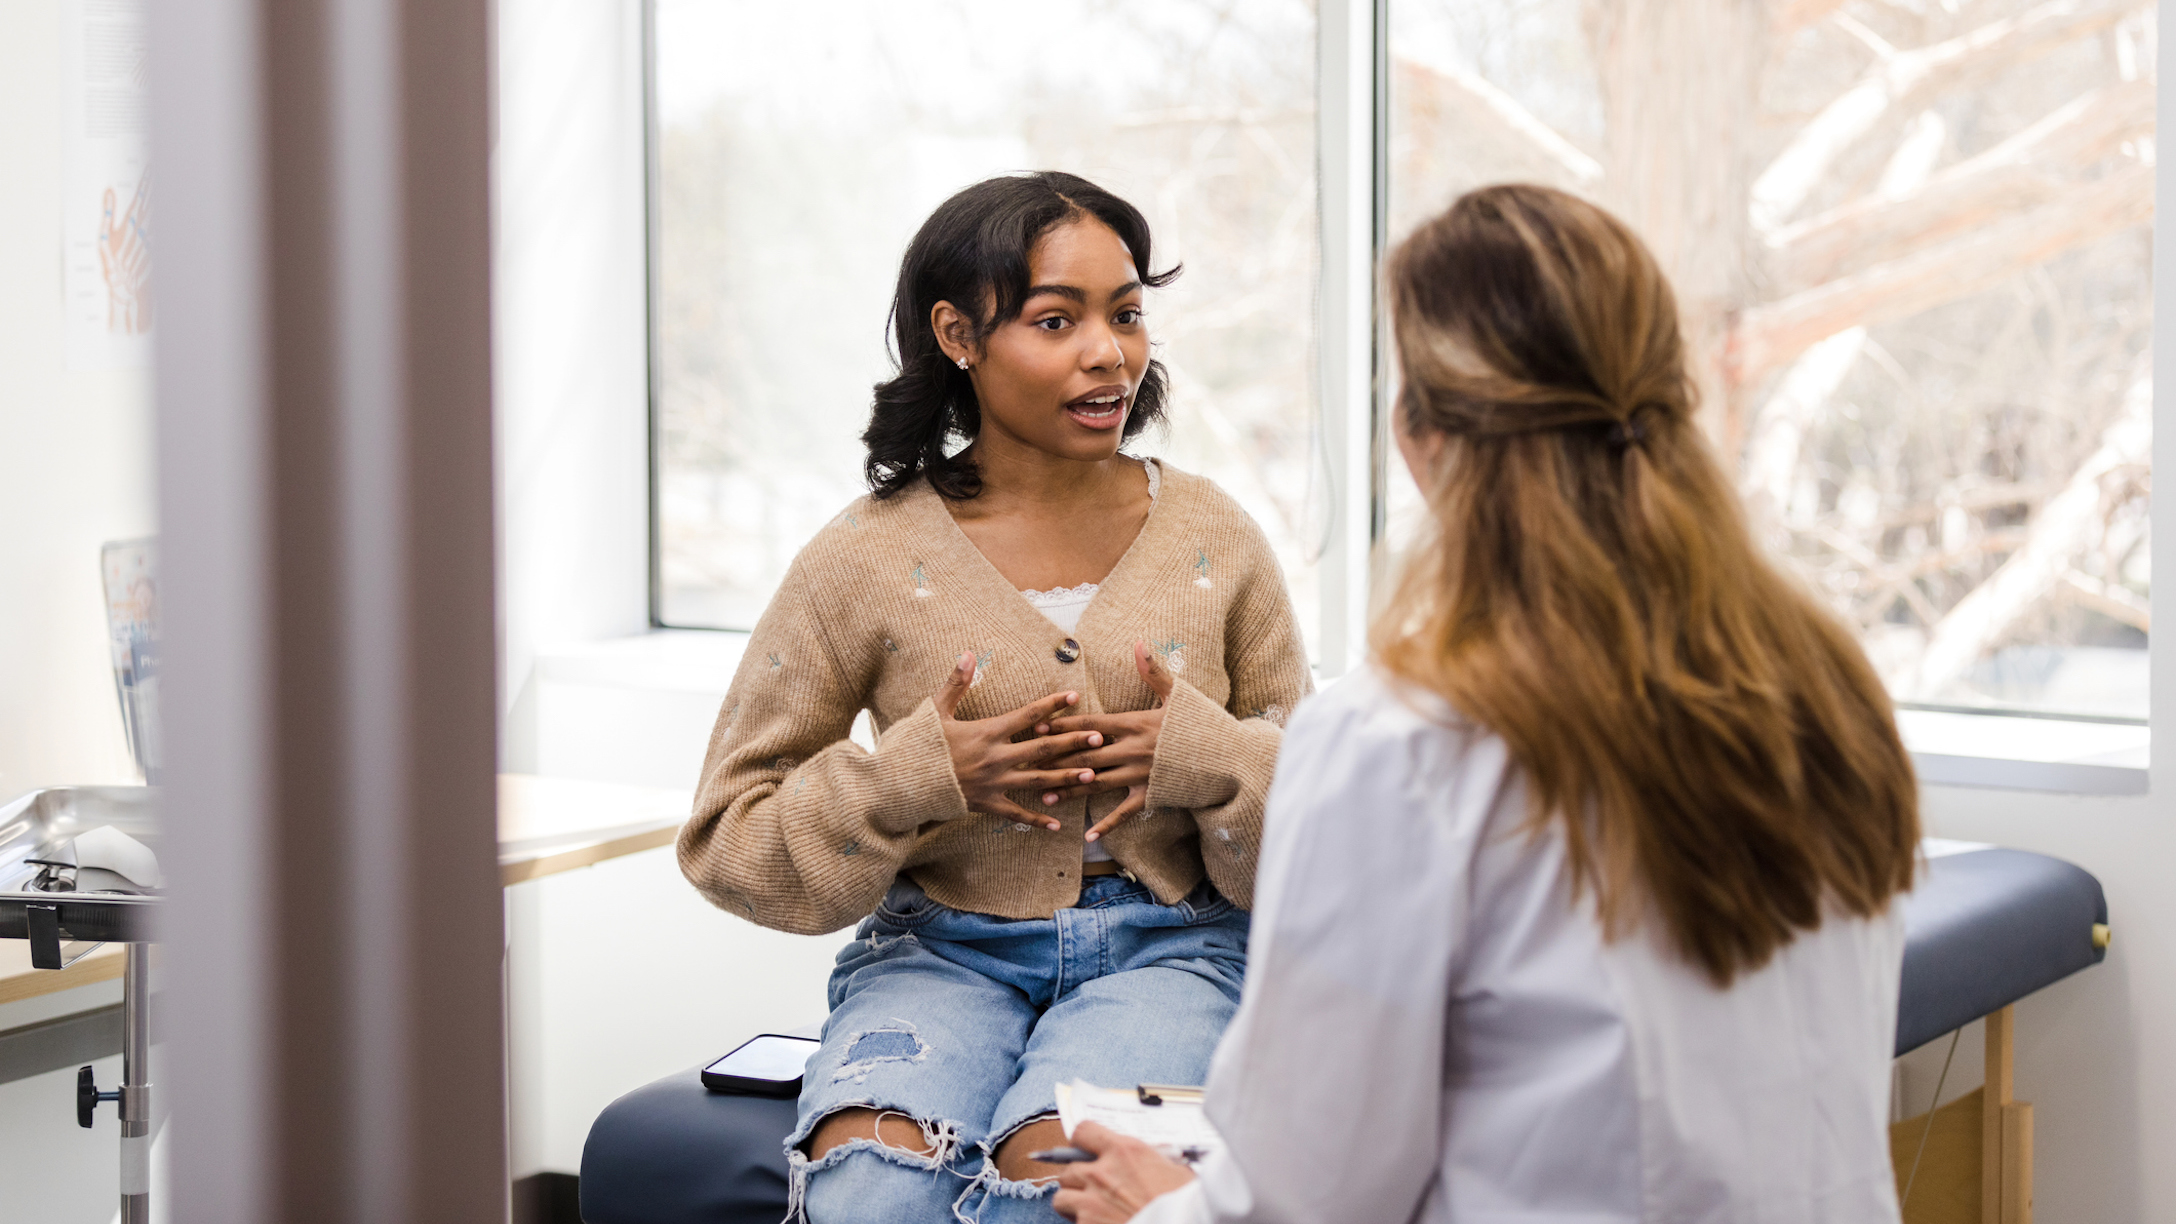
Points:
[769,1065]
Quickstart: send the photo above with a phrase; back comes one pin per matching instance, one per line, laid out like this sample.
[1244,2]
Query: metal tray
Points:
[41,824]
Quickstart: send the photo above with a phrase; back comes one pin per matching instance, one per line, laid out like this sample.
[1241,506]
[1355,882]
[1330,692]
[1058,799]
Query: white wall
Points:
[75,453]
[572,361]
[75,471]
[620,973]
[2093,1053]
[54,1171]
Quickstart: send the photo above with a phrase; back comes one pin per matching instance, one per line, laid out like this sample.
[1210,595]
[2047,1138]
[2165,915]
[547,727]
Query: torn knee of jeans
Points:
[995,1144]
[989,1183]
[897,1042]
[941,1141]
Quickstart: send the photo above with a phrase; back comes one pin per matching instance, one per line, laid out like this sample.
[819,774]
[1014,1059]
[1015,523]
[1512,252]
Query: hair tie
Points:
[1629,430]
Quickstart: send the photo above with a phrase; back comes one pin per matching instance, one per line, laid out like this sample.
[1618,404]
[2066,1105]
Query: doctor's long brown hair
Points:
[1713,742]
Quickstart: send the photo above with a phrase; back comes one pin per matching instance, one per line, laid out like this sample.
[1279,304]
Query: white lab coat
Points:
[1432,1030]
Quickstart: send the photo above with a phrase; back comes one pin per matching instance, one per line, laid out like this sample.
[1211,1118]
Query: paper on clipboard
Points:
[1178,1127]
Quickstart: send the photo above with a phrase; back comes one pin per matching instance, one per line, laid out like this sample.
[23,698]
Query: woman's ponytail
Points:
[1713,745]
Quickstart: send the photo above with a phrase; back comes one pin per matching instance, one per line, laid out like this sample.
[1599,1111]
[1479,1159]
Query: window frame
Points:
[1354,370]
[653,379]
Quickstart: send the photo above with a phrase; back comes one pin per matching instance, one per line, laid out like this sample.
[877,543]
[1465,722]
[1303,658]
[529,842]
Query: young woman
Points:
[1577,906]
[1078,664]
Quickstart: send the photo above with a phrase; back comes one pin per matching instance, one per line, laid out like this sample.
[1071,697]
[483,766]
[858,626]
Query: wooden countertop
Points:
[546,826]
[19,981]
[549,825]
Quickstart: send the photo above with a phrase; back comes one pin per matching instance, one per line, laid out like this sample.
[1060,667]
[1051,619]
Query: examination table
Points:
[1984,928]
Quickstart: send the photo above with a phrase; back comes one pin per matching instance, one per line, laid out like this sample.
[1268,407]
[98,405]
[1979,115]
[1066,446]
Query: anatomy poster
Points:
[106,209]
[132,628]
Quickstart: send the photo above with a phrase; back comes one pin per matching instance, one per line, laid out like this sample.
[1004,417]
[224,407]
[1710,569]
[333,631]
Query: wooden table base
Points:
[1977,1166]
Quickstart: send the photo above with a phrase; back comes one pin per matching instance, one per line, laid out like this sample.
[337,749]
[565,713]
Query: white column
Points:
[1351,123]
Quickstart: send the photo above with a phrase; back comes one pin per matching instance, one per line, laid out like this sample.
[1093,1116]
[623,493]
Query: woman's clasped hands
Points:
[1127,748]
[1084,754]
[988,762]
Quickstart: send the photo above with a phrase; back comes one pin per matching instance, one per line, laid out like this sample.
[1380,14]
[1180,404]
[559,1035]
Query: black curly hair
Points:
[975,249]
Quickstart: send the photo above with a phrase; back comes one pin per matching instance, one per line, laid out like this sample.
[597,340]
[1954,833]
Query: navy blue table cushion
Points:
[1984,929]
[674,1152]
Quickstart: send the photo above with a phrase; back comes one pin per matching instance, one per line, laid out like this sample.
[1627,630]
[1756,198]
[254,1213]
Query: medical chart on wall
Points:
[106,205]
[130,571]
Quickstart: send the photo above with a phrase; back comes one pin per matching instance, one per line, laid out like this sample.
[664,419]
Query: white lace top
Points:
[1064,605]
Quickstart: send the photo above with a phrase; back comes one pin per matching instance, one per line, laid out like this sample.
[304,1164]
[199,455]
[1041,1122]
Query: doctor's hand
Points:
[1128,751]
[988,763]
[1120,1181]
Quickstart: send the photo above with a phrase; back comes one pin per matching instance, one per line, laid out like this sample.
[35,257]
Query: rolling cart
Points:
[66,908]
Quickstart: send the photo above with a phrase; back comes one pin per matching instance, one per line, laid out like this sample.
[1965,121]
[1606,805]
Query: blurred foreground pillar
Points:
[331,984]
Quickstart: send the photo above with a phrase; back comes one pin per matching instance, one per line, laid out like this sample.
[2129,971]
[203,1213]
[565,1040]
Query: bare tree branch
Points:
[1771,454]
[2117,603]
[1906,81]
[1767,336]
[2003,540]
[2067,526]
[1477,110]
[1979,498]
[2017,174]
[1791,16]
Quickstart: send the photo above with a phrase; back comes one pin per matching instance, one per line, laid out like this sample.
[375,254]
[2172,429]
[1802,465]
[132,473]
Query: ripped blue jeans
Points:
[966,1023]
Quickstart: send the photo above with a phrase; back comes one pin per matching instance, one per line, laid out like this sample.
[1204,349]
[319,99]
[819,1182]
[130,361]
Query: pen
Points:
[1074,1155]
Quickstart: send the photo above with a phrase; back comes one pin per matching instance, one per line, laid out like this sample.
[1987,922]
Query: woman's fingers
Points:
[1044,779]
[1113,725]
[1095,1138]
[1135,800]
[1126,1176]
[1040,710]
[997,805]
[1050,747]
[1152,670]
[1085,1204]
[1098,759]
[955,686]
[1124,777]
[1008,724]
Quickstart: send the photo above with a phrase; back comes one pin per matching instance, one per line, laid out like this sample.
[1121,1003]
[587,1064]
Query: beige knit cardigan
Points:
[797,827]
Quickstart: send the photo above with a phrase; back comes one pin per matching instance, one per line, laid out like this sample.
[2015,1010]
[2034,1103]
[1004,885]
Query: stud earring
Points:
[962,361]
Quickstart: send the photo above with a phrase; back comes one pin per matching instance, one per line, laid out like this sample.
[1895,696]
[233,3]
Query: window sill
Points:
[1997,752]
[1988,751]
[663,660]
[634,710]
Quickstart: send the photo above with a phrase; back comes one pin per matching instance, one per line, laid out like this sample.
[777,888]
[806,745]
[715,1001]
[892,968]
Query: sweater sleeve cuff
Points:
[1195,752]
[915,782]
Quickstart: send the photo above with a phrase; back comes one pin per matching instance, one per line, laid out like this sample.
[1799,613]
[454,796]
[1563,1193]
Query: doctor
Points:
[1578,904]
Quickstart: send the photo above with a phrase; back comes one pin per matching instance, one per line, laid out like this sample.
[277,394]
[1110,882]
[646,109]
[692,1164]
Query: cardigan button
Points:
[1067,651]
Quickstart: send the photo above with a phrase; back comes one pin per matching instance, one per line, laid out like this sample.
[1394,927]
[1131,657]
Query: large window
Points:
[1912,244]
[800,145]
